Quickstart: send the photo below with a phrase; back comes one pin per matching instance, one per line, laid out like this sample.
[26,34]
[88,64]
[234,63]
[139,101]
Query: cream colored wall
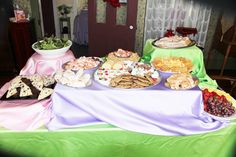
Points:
[66,2]
[140,26]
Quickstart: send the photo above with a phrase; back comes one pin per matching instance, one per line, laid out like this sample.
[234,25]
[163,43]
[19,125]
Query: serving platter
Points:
[192,43]
[172,64]
[135,75]
[195,80]
[31,97]
[229,99]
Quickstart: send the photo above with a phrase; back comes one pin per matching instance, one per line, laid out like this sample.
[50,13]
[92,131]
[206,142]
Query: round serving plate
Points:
[103,76]
[87,71]
[195,79]
[74,79]
[169,72]
[189,45]
[107,86]
[230,99]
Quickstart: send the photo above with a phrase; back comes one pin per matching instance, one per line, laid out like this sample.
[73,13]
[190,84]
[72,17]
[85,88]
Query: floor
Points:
[82,50]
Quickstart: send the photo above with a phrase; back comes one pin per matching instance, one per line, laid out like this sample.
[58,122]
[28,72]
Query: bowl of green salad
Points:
[52,46]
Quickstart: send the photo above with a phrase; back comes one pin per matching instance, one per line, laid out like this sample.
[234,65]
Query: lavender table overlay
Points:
[157,110]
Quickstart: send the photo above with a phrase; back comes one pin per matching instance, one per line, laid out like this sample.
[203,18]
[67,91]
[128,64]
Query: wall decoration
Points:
[114,3]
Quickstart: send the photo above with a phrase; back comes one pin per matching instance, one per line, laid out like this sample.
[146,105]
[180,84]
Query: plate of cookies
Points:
[133,75]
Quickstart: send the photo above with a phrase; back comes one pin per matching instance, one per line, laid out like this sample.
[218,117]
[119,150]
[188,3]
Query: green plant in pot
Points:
[64,10]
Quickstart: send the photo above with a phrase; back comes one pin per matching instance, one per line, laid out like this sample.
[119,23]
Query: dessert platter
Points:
[30,87]
[173,64]
[181,81]
[219,104]
[114,60]
[131,75]
[85,63]
[173,42]
[73,78]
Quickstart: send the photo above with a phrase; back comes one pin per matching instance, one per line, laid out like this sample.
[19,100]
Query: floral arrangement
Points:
[114,3]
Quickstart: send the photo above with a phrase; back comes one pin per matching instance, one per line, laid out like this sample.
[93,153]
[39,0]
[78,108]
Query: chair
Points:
[224,43]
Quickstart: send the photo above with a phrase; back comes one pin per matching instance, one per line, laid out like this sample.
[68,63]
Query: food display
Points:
[73,79]
[30,87]
[181,81]
[52,47]
[131,81]
[50,43]
[173,64]
[219,103]
[173,42]
[83,62]
[143,75]
[115,59]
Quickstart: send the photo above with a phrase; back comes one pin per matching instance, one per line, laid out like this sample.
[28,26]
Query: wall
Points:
[140,25]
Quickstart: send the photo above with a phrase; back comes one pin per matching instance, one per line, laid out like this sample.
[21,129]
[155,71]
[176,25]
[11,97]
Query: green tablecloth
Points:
[108,141]
[193,53]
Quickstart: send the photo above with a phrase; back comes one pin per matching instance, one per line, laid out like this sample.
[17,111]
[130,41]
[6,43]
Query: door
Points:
[48,17]
[34,4]
[6,57]
[111,28]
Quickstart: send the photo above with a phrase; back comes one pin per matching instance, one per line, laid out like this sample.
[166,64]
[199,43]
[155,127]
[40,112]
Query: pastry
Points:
[115,59]
[181,81]
[82,63]
[173,42]
[45,92]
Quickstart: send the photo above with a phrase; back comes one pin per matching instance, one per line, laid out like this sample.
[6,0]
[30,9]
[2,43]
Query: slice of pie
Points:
[11,92]
[45,92]
[25,90]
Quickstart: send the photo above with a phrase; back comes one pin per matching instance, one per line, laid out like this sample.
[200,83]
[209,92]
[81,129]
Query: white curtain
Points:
[169,14]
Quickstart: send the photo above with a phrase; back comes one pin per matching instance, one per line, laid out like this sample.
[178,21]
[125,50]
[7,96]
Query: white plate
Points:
[230,99]
[189,45]
[195,81]
[107,75]
[232,117]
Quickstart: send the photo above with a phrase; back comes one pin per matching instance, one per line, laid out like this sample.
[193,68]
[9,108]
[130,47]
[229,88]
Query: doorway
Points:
[111,28]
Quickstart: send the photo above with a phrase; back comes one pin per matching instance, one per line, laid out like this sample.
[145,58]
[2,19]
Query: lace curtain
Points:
[162,15]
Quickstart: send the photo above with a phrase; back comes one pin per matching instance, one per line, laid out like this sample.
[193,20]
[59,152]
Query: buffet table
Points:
[101,121]
[148,110]
[89,136]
